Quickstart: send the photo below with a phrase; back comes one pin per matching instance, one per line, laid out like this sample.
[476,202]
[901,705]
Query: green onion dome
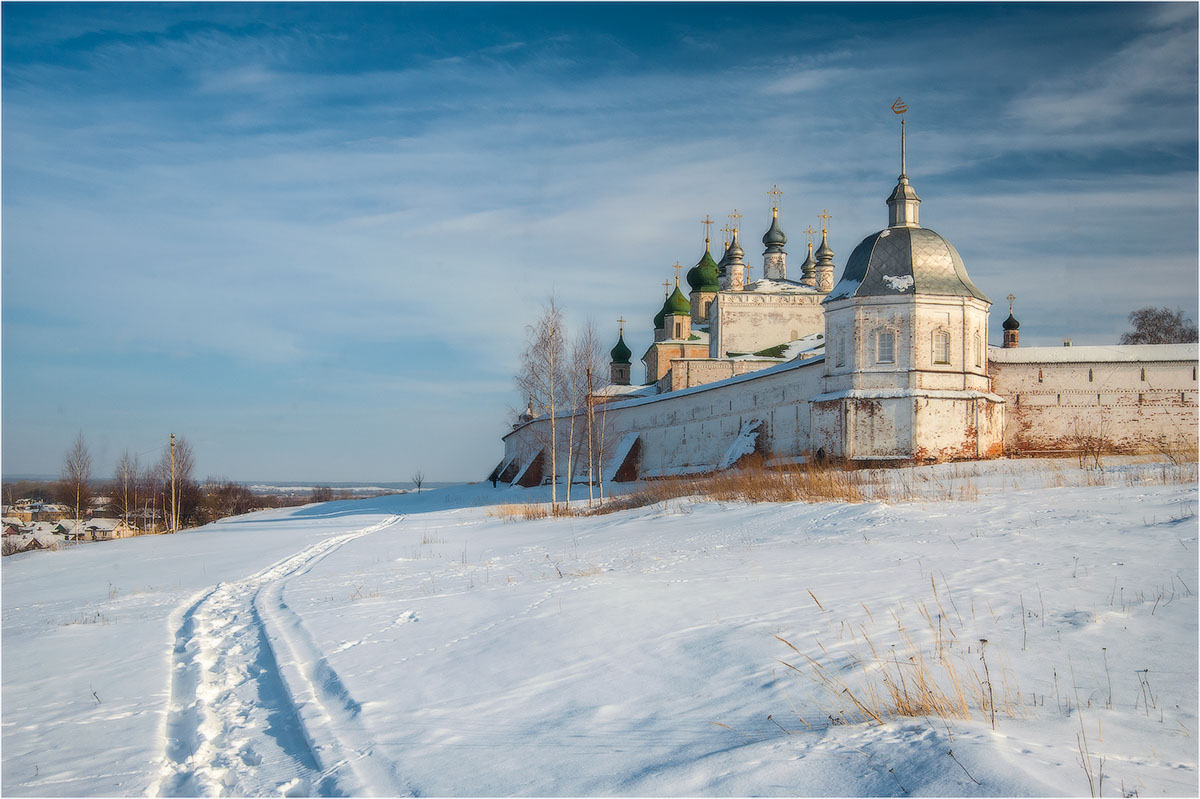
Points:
[677,304]
[703,276]
[621,353]
[658,317]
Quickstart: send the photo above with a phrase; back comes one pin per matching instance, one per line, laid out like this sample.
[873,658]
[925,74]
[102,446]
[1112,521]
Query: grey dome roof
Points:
[905,260]
[774,237]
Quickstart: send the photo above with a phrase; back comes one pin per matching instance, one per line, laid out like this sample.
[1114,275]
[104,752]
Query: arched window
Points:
[885,346]
[941,346]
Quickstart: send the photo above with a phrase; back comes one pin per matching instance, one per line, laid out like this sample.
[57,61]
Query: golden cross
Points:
[621,322]
[727,230]
[666,288]
[899,107]
[677,267]
[735,217]
[825,217]
[748,268]
[809,230]
[775,193]
[1010,299]
[707,224]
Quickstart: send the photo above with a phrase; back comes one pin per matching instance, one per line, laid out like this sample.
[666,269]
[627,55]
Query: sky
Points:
[308,237]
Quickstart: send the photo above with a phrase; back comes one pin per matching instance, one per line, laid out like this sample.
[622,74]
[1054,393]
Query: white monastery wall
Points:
[692,430]
[1134,398]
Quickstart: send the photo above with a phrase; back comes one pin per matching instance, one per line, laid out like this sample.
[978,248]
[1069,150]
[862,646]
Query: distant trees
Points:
[1159,326]
[321,494]
[417,478]
[75,484]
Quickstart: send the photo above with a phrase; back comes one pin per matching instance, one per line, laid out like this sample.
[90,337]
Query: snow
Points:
[1097,354]
[742,445]
[620,453]
[420,644]
[900,283]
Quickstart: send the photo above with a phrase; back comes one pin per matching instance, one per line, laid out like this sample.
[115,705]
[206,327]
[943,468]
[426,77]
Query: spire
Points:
[903,203]
[735,274]
[808,269]
[824,268]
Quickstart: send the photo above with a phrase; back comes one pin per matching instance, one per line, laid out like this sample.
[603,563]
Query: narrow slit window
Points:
[1039,375]
[1143,374]
[1090,375]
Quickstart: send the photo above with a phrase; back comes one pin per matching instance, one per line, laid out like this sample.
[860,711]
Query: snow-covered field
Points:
[419,644]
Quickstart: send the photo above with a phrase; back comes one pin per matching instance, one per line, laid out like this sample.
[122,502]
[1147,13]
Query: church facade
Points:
[889,364]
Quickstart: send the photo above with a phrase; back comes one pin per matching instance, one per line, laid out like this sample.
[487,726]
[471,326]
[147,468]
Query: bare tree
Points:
[321,494]
[185,506]
[417,478]
[1159,326]
[588,374]
[542,378]
[125,485]
[76,482]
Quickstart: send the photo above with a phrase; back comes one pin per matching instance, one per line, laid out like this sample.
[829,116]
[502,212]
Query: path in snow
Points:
[255,707]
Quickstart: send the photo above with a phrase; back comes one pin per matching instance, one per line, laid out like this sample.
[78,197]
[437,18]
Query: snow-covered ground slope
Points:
[420,644]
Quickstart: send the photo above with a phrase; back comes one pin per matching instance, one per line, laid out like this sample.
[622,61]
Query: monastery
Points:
[889,364]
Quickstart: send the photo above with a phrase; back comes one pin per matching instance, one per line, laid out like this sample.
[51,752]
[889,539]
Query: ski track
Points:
[256,709]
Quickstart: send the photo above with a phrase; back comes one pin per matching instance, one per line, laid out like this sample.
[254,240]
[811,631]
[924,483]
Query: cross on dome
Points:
[775,193]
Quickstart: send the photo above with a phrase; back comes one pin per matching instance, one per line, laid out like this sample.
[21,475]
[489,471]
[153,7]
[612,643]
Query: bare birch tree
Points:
[589,374]
[125,484]
[76,483]
[542,379]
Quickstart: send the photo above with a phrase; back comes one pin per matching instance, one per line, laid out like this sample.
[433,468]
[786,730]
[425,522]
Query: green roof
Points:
[677,305]
[704,276]
[621,353]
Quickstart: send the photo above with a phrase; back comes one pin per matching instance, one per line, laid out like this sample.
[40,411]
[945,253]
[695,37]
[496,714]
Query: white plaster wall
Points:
[1052,405]
[747,322]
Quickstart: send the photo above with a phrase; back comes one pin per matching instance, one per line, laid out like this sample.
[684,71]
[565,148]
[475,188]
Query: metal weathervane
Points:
[899,107]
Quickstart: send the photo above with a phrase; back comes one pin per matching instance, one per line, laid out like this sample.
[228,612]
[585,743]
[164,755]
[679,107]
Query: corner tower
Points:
[906,373]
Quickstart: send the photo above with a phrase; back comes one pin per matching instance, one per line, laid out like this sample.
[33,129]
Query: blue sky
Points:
[308,237]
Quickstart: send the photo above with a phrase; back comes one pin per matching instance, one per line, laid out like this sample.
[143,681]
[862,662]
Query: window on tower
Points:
[941,346]
[885,347]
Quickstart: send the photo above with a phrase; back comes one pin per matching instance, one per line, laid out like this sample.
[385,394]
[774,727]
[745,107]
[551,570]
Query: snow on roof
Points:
[1096,354]
[803,347]
[768,286]
[615,390]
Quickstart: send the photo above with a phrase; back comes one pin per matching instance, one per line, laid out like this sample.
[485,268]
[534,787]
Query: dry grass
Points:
[946,677]
[754,481]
